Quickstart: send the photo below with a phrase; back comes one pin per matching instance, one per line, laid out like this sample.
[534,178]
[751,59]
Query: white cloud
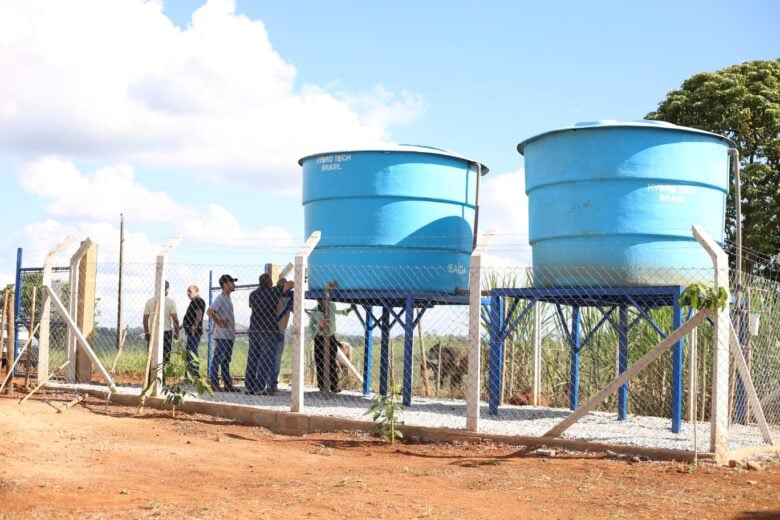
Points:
[219,226]
[92,199]
[100,196]
[118,82]
[504,207]
[41,237]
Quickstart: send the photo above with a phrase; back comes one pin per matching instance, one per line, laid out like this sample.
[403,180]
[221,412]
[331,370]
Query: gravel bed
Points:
[531,421]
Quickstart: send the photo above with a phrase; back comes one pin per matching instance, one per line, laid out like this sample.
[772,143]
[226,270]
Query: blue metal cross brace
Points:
[606,300]
[397,307]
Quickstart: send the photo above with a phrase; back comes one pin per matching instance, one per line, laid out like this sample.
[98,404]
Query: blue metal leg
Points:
[574,389]
[623,362]
[677,363]
[384,350]
[18,303]
[368,351]
[408,349]
[496,348]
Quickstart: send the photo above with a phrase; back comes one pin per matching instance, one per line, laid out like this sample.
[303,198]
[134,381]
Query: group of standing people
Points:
[269,304]
[270,313]
[192,324]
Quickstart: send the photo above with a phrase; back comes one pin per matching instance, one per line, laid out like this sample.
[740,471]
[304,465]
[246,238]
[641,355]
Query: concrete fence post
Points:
[720,350]
[475,324]
[299,336]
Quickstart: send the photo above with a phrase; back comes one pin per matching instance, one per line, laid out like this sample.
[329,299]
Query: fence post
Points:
[45,321]
[10,342]
[156,369]
[75,260]
[299,336]
[537,382]
[720,350]
[85,309]
[475,323]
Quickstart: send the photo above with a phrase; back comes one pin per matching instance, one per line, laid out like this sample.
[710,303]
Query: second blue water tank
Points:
[612,203]
[394,218]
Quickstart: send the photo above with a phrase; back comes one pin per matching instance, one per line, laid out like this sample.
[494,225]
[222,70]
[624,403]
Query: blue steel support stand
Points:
[677,365]
[384,353]
[574,388]
[623,362]
[405,308]
[369,327]
[408,349]
[611,298]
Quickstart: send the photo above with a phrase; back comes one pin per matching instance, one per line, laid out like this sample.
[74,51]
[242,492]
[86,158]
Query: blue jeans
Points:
[251,382]
[220,362]
[278,351]
[193,342]
[260,361]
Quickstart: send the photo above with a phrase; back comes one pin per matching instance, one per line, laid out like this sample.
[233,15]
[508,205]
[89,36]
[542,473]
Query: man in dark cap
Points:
[222,316]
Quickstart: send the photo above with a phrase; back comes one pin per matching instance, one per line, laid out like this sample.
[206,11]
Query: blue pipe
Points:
[17,302]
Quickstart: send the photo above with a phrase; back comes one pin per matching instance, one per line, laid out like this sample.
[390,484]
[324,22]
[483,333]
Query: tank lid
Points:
[612,123]
[408,148]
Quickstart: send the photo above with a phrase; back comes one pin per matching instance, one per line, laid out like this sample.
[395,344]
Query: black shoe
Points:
[231,389]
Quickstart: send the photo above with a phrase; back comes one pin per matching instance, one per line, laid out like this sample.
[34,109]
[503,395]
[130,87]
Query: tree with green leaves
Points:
[741,102]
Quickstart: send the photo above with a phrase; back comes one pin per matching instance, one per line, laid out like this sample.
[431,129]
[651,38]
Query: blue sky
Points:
[190,118]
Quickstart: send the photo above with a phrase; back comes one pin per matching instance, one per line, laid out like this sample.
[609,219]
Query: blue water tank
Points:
[396,218]
[612,203]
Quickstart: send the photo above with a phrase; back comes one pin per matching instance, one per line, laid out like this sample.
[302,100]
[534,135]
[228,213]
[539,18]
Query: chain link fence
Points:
[545,349]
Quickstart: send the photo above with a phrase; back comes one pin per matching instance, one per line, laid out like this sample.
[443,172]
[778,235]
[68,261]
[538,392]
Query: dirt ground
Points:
[93,462]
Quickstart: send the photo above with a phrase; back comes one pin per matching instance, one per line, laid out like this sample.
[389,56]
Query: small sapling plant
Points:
[181,381]
[386,412]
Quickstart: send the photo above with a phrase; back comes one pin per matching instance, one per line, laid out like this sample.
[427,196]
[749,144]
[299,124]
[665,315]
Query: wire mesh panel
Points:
[28,320]
[544,350]
[587,336]
[58,329]
[382,341]
[756,324]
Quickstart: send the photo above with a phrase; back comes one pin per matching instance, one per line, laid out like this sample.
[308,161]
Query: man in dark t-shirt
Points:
[193,326]
[263,333]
